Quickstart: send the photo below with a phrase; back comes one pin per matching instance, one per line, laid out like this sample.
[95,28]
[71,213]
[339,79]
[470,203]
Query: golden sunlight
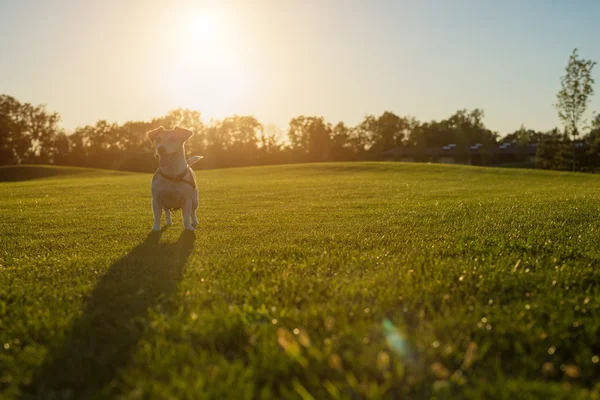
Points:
[206,72]
[203,28]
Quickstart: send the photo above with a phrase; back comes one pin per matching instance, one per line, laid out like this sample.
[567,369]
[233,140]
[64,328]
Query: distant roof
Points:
[451,150]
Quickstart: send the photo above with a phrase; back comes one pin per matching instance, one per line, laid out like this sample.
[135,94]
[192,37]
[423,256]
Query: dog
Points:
[174,182]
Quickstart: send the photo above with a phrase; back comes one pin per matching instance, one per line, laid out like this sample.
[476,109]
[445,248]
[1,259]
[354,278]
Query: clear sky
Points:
[137,59]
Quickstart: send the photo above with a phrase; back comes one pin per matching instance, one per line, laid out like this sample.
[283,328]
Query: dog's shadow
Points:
[102,340]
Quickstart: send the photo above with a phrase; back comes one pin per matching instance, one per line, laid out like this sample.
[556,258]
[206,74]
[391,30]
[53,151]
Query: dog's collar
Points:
[178,178]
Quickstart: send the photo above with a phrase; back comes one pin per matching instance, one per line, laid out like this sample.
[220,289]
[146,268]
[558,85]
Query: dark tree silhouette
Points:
[310,138]
[27,132]
[30,134]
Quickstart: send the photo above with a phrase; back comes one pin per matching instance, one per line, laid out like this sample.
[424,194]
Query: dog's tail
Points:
[193,160]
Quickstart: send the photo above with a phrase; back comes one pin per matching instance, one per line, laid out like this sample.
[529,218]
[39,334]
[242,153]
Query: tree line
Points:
[32,135]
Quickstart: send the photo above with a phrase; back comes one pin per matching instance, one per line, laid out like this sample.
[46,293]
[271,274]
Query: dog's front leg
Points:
[194,208]
[157,213]
[186,212]
[168,217]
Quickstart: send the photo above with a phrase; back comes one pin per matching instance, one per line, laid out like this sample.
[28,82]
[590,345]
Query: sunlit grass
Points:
[363,280]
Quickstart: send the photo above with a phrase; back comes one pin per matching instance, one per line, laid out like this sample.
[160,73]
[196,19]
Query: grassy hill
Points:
[362,280]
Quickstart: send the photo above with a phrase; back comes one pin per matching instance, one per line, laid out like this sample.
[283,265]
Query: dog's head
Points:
[168,143]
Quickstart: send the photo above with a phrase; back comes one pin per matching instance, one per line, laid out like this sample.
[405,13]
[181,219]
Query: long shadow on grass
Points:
[103,338]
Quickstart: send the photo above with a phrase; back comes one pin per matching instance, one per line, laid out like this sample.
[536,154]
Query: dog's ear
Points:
[183,134]
[153,133]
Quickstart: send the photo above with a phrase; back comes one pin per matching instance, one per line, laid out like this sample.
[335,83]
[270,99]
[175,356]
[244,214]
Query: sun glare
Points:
[203,28]
[207,73]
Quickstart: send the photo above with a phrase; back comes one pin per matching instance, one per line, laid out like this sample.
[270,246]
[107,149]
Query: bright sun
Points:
[203,28]
[207,73]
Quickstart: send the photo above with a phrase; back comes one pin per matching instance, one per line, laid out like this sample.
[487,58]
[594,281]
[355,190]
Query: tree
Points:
[27,132]
[61,149]
[358,142]
[269,146]
[463,129]
[310,138]
[574,96]
[384,132]
[243,132]
[7,134]
[341,147]
[592,141]
[553,151]
[233,142]
[521,141]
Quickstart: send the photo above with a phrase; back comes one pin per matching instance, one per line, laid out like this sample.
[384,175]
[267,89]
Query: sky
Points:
[277,59]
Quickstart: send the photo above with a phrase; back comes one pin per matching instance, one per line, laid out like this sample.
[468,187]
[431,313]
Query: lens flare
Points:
[396,341]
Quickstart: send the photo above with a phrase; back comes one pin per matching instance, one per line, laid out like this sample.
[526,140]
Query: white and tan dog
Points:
[174,183]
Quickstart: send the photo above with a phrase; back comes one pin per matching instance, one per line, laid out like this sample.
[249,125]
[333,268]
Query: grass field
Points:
[363,280]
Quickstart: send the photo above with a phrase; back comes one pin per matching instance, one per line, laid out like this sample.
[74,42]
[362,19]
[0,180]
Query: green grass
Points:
[364,280]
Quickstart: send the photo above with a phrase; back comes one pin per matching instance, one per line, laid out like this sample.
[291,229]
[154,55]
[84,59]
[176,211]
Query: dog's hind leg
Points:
[157,213]
[186,212]
[168,217]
